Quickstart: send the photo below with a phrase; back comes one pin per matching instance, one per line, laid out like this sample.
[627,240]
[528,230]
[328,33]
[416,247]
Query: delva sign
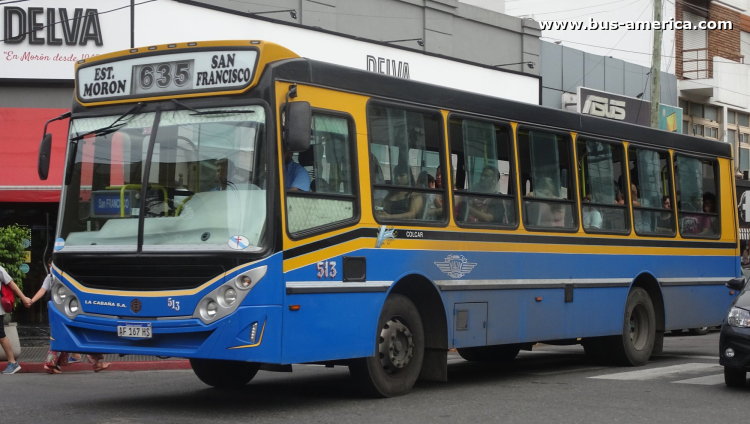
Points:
[44,38]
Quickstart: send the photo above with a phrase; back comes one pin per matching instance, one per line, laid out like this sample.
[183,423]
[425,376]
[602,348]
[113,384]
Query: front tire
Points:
[400,351]
[700,331]
[634,346]
[224,374]
[734,377]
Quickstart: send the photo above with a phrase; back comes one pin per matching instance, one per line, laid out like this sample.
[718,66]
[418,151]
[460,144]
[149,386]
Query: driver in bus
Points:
[295,176]
[222,175]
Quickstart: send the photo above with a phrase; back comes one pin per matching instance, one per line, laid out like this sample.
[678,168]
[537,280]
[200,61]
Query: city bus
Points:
[249,209]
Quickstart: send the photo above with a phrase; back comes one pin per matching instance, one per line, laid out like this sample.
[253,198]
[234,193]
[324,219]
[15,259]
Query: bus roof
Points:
[428,95]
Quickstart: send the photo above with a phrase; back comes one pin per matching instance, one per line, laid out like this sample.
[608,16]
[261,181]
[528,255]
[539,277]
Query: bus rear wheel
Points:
[400,350]
[224,374]
[634,346]
[498,353]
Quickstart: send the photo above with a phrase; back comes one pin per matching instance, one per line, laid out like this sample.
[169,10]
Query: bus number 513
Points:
[327,269]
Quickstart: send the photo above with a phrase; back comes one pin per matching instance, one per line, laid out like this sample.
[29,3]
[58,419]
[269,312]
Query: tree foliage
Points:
[12,252]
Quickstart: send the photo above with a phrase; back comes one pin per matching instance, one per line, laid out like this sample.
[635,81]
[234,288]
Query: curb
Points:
[38,367]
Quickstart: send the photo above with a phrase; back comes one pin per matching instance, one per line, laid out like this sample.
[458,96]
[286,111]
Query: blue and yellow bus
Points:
[240,206]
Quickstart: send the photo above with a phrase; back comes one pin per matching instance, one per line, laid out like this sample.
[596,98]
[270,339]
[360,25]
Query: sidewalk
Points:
[32,360]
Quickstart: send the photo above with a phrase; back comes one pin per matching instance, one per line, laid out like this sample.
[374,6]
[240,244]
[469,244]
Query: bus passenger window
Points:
[483,151]
[546,175]
[331,197]
[650,192]
[601,186]
[406,147]
[697,203]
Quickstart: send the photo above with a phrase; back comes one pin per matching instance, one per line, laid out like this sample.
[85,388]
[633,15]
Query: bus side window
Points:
[483,152]
[545,162]
[600,168]
[332,198]
[650,191]
[407,145]
[697,196]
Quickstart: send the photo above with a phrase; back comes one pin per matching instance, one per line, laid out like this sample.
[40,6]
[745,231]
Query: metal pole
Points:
[132,24]
[656,68]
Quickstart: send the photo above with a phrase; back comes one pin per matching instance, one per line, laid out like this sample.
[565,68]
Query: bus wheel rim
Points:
[639,327]
[396,346]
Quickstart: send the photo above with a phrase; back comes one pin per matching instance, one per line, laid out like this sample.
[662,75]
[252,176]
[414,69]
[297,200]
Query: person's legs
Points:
[5,343]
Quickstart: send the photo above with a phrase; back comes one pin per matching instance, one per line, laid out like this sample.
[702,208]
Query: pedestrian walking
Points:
[13,366]
[56,359]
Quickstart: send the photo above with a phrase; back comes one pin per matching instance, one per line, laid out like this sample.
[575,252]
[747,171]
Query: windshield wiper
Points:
[113,127]
[209,112]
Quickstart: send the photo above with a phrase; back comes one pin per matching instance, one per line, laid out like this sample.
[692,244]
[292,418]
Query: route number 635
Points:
[327,269]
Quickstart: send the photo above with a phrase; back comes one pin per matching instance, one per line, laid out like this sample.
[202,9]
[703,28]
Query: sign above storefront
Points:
[167,74]
[626,109]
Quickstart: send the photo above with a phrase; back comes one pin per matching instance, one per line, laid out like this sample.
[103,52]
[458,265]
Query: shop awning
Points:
[21,130]
[745,234]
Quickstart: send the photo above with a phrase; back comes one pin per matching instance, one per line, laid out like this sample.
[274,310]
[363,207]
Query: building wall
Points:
[721,43]
[448,27]
[565,69]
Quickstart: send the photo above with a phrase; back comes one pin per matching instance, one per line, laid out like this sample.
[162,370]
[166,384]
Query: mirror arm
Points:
[63,116]
[290,94]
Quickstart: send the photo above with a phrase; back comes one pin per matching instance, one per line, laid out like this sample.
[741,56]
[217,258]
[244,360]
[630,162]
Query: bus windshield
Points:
[205,181]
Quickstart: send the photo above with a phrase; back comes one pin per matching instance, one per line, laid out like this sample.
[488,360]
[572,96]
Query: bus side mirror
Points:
[736,283]
[45,149]
[297,126]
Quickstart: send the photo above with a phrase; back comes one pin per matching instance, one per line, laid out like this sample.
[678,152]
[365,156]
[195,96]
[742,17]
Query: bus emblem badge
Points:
[135,305]
[456,266]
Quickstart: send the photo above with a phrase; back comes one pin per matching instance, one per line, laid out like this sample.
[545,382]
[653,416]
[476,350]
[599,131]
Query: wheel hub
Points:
[396,346]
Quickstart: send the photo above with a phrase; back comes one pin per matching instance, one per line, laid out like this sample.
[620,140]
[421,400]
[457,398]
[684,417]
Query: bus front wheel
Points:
[635,345]
[399,353]
[224,374]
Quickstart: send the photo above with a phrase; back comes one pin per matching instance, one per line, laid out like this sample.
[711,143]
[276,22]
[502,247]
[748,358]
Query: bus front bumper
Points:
[229,338]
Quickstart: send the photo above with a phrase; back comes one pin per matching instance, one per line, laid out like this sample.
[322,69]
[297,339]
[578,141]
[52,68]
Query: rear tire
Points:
[495,353]
[399,342]
[700,331]
[224,374]
[634,346]
[734,377]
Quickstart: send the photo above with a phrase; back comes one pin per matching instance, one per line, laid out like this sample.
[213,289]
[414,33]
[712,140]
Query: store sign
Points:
[614,106]
[38,25]
[167,74]
[44,38]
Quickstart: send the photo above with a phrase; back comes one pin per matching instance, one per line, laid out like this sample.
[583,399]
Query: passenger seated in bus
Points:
[401,204]
[634,195]
[486,209]
[702,224]
[549,214]
[592,218]
[431,211]
[619,196]
[664,221]
[295,176]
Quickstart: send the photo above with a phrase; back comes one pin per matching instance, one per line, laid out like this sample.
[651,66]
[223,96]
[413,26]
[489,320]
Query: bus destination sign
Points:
[166,74]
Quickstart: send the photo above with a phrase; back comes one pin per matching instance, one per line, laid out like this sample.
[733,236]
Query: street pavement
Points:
[551,384]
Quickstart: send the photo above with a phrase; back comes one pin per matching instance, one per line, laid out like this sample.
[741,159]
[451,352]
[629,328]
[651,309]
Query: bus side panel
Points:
[682,302]
[330,326]
[516,316]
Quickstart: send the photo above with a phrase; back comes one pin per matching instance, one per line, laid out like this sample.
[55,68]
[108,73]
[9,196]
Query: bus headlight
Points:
[224,299]
[72,307]
[739,318]
[227,296]
[211,308]
[59,294]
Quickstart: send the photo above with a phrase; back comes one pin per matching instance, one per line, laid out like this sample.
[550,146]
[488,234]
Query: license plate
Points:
[135,330]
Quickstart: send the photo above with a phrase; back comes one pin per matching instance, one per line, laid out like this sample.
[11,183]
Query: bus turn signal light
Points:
[538,298]
[294,307]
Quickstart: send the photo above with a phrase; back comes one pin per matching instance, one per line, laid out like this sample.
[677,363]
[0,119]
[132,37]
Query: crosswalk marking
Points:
[709,380]
[652,373]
